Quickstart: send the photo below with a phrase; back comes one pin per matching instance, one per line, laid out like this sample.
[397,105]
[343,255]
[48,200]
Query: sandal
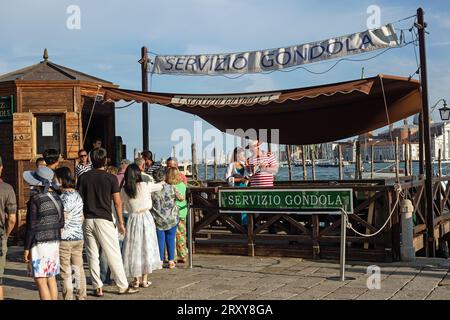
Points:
[171,264]
[99,293]
[128,291]
[145,284]
[135,284]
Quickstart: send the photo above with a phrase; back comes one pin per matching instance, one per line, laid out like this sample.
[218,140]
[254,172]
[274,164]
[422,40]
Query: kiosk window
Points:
[48,133]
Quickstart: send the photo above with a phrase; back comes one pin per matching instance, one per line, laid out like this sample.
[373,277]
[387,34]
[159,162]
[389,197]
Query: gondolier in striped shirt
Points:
[150,165]
[261,165]
[83,165]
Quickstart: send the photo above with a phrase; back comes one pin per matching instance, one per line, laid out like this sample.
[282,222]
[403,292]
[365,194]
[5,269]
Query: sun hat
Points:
[43,176]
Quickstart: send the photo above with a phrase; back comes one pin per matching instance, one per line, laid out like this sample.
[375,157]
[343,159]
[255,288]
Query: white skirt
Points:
[140,247]
[45,259]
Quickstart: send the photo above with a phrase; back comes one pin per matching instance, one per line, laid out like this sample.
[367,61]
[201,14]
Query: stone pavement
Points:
[264,278]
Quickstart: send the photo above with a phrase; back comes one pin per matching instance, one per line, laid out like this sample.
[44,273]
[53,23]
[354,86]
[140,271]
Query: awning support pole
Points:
[144,77]
[431,246]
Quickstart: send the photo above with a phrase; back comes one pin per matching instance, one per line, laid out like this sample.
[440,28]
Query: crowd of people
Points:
[128,220]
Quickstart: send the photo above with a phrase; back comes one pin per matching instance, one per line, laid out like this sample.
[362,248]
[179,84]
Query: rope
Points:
[126,106]
[398,190]
[92,112]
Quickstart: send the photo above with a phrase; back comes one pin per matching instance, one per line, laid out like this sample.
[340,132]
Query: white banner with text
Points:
[280,58]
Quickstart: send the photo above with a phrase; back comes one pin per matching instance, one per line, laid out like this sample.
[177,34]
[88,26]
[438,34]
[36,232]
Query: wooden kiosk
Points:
[49,106]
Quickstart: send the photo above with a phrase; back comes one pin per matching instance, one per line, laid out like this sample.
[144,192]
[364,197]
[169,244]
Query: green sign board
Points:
[6,108]
[285,200]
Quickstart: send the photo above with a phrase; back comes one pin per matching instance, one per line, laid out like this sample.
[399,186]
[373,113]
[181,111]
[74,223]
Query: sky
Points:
[111,34]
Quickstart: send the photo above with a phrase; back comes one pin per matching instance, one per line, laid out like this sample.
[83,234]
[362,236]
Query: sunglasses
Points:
[83,155]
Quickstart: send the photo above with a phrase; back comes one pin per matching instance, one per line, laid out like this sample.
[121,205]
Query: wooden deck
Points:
[317,236]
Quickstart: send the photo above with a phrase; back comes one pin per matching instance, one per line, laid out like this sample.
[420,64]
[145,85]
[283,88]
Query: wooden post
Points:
[289,160]
[206,167]
[396,159]
[305,173]
[250,236]
[144,78]
[313,166]
[194,161]
[439,163]
[431,245]
[358,161]
[406,158]
[421,145]
[410,160]
[215,164]
[341,176]
[410,153]
[372,165]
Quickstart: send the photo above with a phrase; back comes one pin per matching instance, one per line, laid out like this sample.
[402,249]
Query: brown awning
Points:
[304,115]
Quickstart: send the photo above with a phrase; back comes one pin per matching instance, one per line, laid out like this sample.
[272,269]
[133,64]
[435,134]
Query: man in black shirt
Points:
[99,190]
[8,210]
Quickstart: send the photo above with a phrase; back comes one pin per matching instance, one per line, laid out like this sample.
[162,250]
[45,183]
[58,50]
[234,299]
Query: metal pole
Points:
[343,243]
[144,78]
[427,138]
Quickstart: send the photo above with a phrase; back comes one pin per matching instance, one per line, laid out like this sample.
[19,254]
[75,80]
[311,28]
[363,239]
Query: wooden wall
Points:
[49,100]
[52,98]
[9,174]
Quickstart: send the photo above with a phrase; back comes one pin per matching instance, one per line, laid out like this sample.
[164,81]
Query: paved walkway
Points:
[262,278]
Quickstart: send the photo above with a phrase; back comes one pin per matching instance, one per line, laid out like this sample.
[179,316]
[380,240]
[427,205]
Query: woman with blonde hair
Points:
[174,178]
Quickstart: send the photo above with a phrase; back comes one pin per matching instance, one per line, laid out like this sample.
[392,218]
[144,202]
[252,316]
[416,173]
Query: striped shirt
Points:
[155,166]
[73,207]
[260,178]
[82,168]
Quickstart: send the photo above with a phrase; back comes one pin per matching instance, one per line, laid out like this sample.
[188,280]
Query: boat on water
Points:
[330,163]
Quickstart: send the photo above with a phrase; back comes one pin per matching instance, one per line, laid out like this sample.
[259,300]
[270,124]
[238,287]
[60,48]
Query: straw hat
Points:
[41,177]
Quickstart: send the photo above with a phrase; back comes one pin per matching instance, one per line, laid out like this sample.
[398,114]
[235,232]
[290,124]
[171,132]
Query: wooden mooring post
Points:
[305,173]
[341,176]
[358,160]
[215,164]
[206,167]
[406,159]
[313,166]
[289,160]
[397,168]
[194,161]
[439,163]
[372,164]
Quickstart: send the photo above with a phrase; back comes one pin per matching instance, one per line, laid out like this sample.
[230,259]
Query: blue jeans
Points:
[167,237]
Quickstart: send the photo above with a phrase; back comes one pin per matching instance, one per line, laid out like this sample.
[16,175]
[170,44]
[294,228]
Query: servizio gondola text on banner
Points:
[280,58]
